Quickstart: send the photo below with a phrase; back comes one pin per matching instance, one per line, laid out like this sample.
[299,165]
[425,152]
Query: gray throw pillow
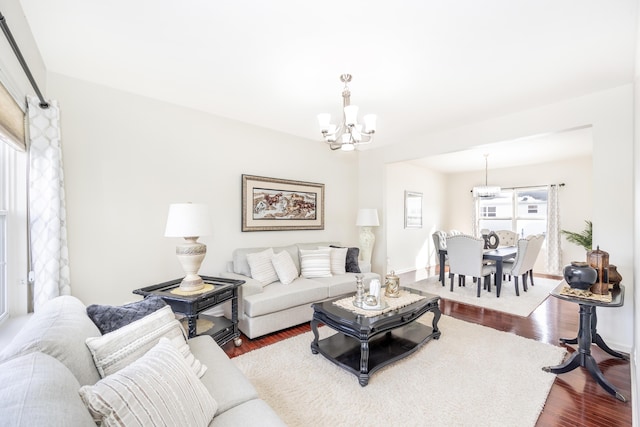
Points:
[352,259]
[109,318]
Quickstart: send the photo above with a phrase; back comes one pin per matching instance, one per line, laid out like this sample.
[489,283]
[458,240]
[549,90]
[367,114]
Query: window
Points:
[488,212]
[523,210]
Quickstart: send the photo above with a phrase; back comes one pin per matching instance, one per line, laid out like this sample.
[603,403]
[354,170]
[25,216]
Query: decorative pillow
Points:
[115,350]
[261,267]
[109,318]
[284,266]
[315,263]
[157,389]
[338,257]
[352,260]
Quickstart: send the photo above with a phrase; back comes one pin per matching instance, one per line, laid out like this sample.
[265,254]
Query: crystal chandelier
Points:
[486,191]
[349,133]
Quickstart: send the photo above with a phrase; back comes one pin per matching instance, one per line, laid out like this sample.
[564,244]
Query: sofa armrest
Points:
[365,267]
[249,287]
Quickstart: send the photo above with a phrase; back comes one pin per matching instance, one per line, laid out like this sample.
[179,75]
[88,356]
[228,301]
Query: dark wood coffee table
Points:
[365,344]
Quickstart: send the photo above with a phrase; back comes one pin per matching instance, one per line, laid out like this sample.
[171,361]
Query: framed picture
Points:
[412,209]
[271,204]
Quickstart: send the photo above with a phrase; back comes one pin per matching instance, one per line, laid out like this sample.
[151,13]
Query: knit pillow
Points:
[351,265]
[284,266]
[157,389]
[261,267]
[315,263]
[109,318]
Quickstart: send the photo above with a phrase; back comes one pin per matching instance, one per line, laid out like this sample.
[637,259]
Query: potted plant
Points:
[584,238]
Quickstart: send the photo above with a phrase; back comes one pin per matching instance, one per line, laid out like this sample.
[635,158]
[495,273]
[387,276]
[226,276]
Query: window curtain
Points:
[554,253]
[47,211]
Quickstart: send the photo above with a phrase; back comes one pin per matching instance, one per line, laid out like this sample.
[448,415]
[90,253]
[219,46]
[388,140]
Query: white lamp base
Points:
[191,254]
[367,239]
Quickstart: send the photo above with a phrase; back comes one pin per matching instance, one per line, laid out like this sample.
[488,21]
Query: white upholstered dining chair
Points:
[522,264]
[507,237]
[465,259]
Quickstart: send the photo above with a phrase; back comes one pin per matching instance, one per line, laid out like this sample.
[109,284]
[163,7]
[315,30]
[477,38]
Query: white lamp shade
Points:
[367,218]
[351,114]
[188,220]
[324,120]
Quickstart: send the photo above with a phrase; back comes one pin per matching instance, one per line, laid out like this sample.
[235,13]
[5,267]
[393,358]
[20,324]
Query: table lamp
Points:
[189,220]
[367,218]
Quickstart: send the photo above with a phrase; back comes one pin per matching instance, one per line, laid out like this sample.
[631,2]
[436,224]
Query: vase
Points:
[614,277]
[579,275]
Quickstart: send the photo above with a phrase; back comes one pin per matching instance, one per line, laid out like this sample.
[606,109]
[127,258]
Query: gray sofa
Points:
[45,365]
[266,309]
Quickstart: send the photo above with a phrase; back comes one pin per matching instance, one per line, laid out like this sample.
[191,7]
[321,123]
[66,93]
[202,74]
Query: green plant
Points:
[584,238]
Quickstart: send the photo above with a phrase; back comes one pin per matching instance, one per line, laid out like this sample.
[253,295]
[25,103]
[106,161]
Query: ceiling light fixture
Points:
[349,133]
[486,191]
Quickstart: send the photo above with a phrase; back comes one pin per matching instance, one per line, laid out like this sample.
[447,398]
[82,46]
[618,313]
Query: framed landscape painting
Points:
[272,204]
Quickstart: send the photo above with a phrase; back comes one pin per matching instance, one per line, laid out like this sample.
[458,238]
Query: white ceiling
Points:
[420,65]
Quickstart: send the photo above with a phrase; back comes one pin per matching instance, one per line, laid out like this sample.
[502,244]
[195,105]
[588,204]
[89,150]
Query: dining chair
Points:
[465,259]
[522,264]
[507,237]
[440,242]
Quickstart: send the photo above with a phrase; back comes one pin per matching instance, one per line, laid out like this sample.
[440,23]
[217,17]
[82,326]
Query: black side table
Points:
[587,335]
[223,329]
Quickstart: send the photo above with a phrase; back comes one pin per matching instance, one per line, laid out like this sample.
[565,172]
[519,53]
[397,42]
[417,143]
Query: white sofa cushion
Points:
[284,266]
[338,259]
[315,263]
[261,266]
[157,389]
[279,297]
[59,329]
[38,390]
[115,350]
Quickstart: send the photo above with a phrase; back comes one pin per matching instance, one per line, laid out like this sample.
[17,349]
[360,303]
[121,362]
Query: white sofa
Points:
[43,368]
[266,309]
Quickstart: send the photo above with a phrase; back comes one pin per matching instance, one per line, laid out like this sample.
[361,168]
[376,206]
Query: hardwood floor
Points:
[575,398]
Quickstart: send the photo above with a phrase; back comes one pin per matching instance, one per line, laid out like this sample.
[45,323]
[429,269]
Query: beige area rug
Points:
[471,376]
[508,302]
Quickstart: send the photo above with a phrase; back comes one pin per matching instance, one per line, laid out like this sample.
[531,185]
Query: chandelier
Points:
[486,191]
[349,133]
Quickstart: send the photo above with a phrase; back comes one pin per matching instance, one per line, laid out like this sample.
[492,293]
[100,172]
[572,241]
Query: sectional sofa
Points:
[266,308]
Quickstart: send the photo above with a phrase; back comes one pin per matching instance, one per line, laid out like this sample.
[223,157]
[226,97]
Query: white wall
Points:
[412,248]
[128,157]
[610,113]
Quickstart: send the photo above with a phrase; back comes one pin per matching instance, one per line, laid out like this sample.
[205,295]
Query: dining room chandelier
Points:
[486,190]
[349,133]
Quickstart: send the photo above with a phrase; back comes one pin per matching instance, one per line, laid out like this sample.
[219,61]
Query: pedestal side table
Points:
[588,335]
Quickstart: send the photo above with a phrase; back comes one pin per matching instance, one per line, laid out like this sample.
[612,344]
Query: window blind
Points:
[12,124]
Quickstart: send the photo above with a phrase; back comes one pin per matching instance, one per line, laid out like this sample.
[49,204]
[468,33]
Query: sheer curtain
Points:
[47,211]
[554,253]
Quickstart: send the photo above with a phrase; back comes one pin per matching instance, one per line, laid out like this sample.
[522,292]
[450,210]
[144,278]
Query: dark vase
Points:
[579,275]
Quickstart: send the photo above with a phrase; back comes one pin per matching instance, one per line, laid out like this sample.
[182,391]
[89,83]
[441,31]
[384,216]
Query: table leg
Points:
[597,339]
[498,277]
[191,322]
[363,378]
[442,256]
[316,336]
[583,356]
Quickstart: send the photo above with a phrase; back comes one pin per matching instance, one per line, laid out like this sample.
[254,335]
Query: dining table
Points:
[499,255]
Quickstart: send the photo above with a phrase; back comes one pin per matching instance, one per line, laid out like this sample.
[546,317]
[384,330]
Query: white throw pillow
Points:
[115,350]
[261,267]
[315,263]
[284,266]
[338,259]
[157,389]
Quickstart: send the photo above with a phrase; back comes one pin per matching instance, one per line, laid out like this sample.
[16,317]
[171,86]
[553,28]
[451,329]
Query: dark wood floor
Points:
[575,398]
